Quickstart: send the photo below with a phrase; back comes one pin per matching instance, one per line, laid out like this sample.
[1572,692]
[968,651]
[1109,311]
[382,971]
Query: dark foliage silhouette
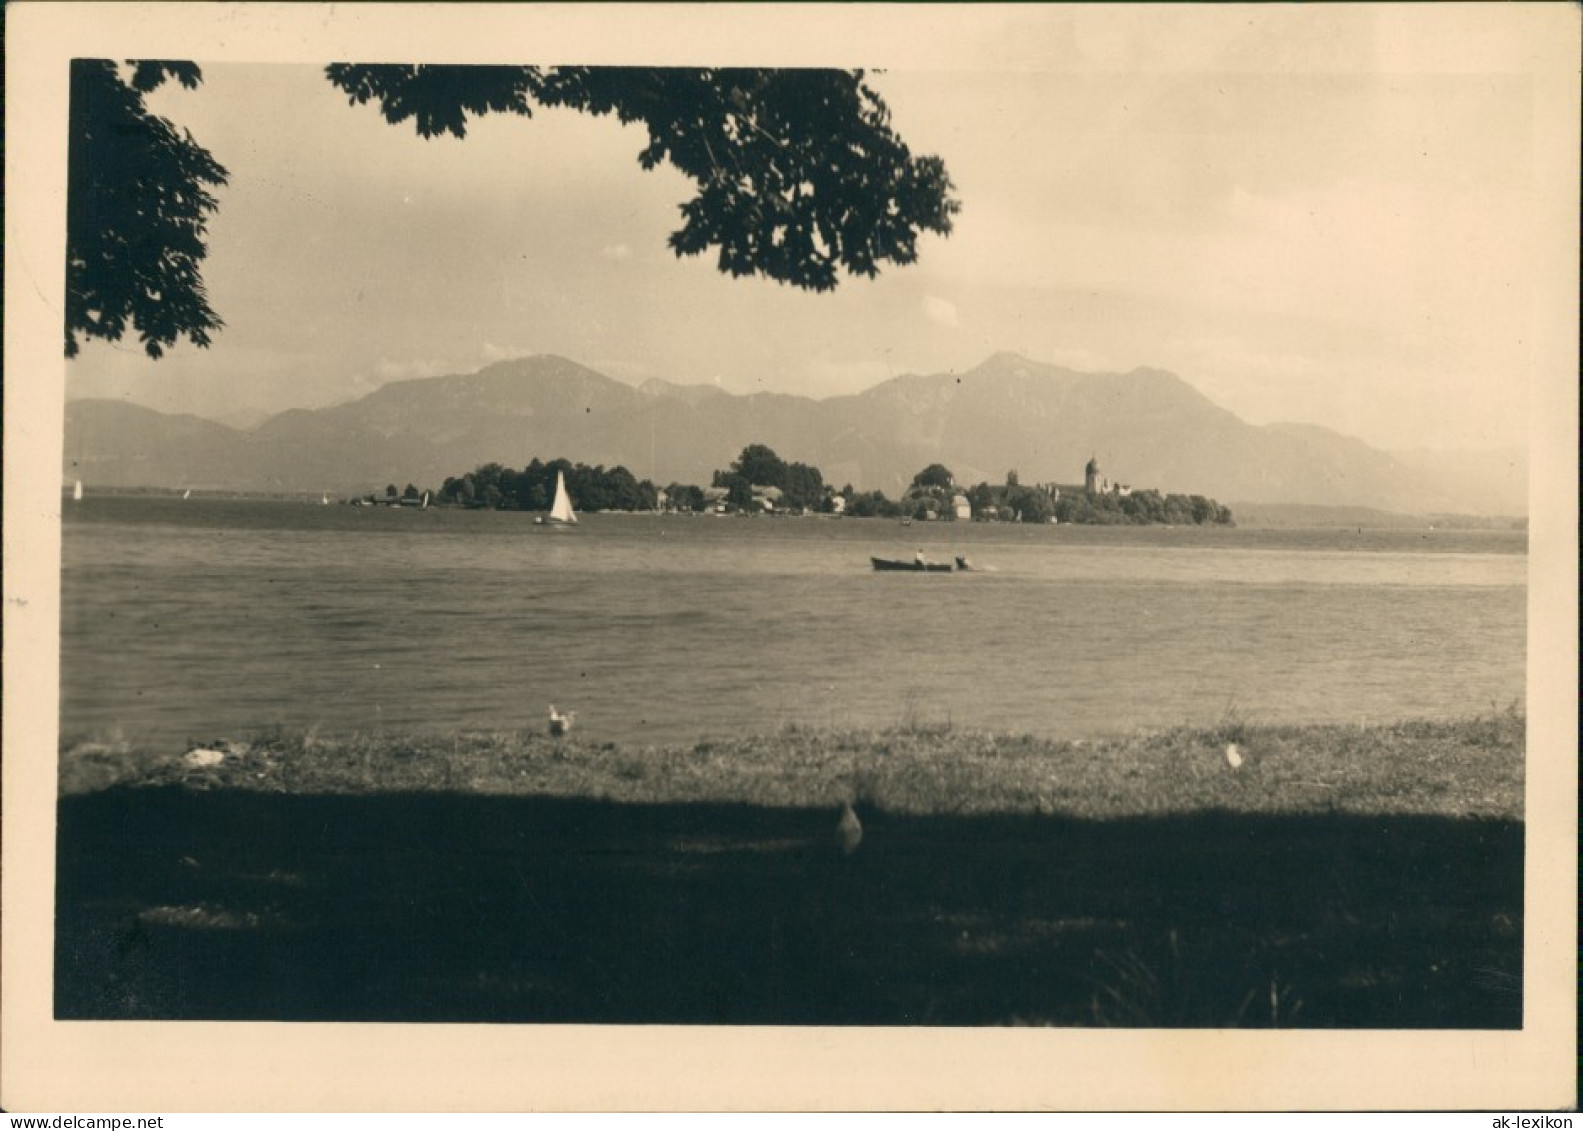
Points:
[799,173]
[138,203]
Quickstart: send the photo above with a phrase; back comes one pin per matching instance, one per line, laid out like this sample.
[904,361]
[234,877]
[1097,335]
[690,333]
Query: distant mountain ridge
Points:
[1149,428]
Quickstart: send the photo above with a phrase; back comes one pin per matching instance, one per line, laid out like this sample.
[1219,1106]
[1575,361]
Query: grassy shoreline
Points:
[1357,877]
[1470,767]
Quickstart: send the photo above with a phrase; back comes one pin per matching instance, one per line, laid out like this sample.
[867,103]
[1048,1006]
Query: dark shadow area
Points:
[176,904]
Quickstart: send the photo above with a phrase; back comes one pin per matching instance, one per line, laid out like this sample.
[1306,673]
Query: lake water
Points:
[203,619]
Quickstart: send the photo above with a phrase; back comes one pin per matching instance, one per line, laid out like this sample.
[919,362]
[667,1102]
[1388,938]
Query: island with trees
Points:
[759,481]
[492,486]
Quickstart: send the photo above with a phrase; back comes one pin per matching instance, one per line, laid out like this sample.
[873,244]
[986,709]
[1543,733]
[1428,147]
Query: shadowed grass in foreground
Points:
[999,881]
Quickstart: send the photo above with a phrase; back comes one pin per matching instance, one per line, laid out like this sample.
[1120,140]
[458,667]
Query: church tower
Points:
[1093,482]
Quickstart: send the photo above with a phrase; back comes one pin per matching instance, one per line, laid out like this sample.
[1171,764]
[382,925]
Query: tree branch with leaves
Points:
[799,176]
[137,209]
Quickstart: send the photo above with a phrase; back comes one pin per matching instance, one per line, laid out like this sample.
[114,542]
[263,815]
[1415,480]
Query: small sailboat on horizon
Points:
[561,512]
[76,491]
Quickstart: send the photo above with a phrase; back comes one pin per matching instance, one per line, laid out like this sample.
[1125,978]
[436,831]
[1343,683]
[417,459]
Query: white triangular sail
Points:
[562,510]
[76,491]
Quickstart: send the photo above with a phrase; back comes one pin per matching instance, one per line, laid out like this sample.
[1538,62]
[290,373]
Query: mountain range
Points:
[1148,428]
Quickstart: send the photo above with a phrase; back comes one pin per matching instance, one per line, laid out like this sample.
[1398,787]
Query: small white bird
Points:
[559,723]
[1233,755]
[848,830]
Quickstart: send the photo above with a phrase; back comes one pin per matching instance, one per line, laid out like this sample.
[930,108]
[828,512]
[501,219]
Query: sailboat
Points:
[561,512]
[76,491]
[324,500]
[187,494]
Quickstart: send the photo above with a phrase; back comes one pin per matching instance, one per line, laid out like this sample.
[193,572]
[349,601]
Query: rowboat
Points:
[914,565]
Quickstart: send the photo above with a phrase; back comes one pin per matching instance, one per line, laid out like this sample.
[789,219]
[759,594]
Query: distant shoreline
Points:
[1249,516]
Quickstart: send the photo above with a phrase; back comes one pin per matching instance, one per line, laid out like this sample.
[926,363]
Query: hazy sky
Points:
[1320,216]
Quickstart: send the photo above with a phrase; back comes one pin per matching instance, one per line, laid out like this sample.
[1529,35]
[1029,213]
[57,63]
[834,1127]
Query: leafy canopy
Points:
[799,175]
[759,465]
[138,202]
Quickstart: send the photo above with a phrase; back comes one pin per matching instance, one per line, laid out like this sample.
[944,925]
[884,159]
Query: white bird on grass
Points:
[1233,755]
[559,723]
[848,830]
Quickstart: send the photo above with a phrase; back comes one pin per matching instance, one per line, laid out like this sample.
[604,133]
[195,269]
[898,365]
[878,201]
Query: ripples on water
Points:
[205,618]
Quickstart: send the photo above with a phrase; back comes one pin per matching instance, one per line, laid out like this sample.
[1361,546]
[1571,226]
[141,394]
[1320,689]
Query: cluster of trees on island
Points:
[1101,508]
[496,487]
[760,481]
